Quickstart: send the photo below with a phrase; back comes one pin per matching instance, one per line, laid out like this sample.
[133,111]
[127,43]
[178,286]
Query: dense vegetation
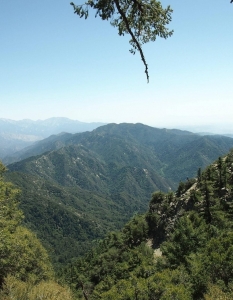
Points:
[180,249]
[194,230]
[91,183]
[25,270]
[171,153]
[143,20]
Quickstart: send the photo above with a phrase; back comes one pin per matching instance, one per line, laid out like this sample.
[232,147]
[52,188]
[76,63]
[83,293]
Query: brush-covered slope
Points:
[175,154]
[26,272]
[103,177]
[194,230]
[68,219]
[72,196]
[161,141]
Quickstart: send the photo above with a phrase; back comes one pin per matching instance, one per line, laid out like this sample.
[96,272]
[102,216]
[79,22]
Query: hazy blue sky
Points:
[54,64]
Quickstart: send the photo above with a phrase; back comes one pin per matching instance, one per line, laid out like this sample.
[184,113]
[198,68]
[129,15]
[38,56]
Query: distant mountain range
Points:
[176,154]
[15,135]
[76,187]
[209,129]
[210,133]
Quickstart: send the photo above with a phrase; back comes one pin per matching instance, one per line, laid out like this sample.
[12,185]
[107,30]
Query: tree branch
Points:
[133,37]
[84,292]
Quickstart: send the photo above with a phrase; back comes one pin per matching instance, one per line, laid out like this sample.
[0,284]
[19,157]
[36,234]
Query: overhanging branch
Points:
[133,37]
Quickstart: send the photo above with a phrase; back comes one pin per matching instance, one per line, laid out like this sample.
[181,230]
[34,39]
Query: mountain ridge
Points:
[193,229]
[105,176]
[16,135]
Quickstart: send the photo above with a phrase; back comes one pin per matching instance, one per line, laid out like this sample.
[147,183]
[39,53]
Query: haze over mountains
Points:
[220,127]
[15,135]
[76,187]
[165,150]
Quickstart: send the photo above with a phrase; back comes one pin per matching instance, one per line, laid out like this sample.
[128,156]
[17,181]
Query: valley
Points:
[77,187]
[117,208]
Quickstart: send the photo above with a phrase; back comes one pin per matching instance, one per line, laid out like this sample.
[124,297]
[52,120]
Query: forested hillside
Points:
[25,270]
[71,196]
[180,249]
[88,184]
[177,154]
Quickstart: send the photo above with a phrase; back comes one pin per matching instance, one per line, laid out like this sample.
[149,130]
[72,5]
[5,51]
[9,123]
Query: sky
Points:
[53,64]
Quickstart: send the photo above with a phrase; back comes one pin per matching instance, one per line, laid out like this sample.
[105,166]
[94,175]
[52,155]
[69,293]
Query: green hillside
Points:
[72,196]
[193,229]
[25,270]
[170,150]
[66,220]
[87,184]
[75,195]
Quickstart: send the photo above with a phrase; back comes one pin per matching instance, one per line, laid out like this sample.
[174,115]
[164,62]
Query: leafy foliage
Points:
[45,290]
[94,182]
[195,236]
[25,270]
[193,228]
[74,195]
[143,20]
[21,254]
